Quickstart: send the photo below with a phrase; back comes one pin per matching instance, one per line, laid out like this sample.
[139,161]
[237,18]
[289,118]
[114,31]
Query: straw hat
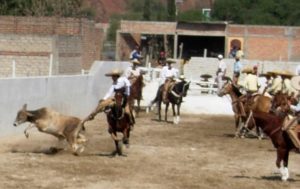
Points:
[135,61]
[275,72]
[114,72]
[182,77]
[247,70]
[295,81]
[287,73]
[171,61]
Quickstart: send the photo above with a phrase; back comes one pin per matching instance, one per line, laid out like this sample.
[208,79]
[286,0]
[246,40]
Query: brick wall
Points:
[276,43]
[74,43]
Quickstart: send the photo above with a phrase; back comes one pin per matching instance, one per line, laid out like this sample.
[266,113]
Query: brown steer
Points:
[49,121]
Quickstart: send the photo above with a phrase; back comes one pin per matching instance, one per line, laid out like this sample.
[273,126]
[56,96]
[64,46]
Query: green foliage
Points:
[266,12]
[171,10]
[63,8]
[190,15]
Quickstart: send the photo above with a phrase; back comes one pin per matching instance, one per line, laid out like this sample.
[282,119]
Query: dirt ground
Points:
[200,152]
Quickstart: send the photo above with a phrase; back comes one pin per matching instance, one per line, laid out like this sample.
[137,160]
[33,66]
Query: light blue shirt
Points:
[237,66]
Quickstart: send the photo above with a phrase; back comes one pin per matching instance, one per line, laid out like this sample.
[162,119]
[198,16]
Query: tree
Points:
[266,12]
[171,10]
[147,9]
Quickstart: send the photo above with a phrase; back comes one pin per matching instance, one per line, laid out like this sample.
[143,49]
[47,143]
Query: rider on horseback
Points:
[168,75]
[133,72]
[120,84]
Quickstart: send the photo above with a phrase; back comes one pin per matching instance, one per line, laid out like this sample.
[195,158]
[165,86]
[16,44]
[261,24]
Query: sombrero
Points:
[275,72]
[287,73]
[182,77]
[268,74]
[295,81]
[170,61]
[247,70]
[114,72]
[135,61]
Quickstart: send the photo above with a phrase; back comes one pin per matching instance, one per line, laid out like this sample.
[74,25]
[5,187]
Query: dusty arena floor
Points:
[200,152]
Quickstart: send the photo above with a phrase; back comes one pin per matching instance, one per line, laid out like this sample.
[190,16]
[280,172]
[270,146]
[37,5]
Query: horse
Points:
[117,119]
[136,91]
[272,124]
[257,102]
[175,96]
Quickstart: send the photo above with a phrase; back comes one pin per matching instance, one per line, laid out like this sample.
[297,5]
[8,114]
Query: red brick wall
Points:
[268,42]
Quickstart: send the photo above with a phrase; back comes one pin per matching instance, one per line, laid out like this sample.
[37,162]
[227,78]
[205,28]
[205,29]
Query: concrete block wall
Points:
[74,43]
[70,95]
[198,66]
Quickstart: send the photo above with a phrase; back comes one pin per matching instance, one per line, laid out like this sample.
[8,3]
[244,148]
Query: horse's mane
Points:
[236,90]
[179,86]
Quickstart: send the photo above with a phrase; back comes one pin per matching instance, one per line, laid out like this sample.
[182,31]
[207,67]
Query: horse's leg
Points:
[178,113]
[281,156]
[237,123]
[159,110]
[174,114]
[285,172]
[117,144]
[138,107]
[126,137]
[166,111]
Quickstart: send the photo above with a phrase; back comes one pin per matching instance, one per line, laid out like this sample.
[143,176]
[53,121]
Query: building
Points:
[208,39]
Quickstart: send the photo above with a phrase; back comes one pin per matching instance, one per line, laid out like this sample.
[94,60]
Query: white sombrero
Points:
[136,61]
[114,72]
[182,77]
[295,81]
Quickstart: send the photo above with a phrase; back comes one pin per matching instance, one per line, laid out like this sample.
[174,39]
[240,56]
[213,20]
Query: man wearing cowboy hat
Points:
[221,72]
[251,81]
[120,84]
[168,75]
[276,83]
[291,124]
[133,71]
[287,85]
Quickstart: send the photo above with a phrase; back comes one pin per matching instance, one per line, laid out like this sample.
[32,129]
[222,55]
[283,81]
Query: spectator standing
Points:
[136,54]
[237,66]
[221,71]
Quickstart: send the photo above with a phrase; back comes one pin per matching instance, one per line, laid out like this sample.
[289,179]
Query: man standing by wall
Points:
[221,72]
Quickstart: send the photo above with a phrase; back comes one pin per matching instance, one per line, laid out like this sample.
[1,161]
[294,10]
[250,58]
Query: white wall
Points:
[71,95]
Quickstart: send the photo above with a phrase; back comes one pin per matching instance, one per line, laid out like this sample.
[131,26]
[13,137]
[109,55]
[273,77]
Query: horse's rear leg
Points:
[237,125]
[126,134]
[166,112]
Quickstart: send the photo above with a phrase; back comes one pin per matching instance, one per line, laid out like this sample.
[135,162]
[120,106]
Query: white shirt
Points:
[166,73]
[131,72]
[120,83]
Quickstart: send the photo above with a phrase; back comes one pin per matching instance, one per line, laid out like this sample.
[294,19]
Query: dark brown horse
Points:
[258,103]
[175,96]
[117,119]
[272,124]
[136,91]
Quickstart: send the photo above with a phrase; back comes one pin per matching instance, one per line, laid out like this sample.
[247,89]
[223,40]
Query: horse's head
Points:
[181,88]
[226,88]
[185,88]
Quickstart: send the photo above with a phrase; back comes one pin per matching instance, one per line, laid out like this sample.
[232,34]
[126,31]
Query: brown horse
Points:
[136,91]
[117,119]
[272,124]
[257,102]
